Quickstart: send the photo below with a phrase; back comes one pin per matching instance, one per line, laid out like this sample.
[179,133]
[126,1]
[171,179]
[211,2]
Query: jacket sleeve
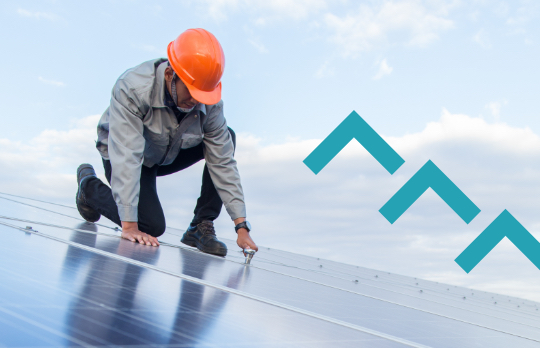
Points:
[218,153]
[126,148]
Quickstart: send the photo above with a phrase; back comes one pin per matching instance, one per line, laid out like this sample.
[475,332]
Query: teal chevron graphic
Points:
[353,127]
[429,176]
[505,225]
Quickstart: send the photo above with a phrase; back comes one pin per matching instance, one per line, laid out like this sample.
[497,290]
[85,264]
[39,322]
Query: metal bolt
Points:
[249,255]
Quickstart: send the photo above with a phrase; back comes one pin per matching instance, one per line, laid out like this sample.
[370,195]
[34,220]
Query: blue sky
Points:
[451,81]
[294,68]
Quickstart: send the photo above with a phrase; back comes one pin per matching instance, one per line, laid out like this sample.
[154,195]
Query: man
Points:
[164,116]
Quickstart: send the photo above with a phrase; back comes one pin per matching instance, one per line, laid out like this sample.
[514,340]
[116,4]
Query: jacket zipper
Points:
[172,139]
[169,146]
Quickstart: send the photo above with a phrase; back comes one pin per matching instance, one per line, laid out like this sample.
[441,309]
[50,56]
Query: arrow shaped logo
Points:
[353,127]
[505,225]
[429,176]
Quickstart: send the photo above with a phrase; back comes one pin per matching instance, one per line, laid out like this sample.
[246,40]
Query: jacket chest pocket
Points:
[191,140]
[157,137]
[155,146]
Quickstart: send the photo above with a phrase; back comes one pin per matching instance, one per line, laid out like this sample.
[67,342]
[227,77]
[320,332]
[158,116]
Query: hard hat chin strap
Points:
[175,96]
[173,89]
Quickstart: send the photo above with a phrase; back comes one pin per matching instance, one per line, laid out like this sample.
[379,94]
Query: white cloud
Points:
[495,108]
[410,22]
[254,40]
[335,214]
[37,15]
[500,137]
[148,48]
[45,165]
[258,45]
[384,69]
[325,70]
[297,9]
[501,9]
[521,19]
[482,38]
[51,82]
[524,13]
[264,10]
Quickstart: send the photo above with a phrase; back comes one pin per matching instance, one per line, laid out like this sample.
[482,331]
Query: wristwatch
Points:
[244,224]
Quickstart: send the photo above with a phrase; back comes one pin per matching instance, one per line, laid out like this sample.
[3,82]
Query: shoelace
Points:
[207,229]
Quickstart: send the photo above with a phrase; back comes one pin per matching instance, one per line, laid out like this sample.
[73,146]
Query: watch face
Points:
[248,225]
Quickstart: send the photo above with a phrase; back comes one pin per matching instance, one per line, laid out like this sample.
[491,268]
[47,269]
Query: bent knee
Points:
[159,230]
[156,229]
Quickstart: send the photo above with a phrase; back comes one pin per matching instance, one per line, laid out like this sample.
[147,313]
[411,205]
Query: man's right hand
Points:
[130,231]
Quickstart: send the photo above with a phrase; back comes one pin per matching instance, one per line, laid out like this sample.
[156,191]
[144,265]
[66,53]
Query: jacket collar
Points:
[158,99]
[158,95]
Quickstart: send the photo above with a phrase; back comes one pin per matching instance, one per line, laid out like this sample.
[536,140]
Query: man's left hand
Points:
[244,240]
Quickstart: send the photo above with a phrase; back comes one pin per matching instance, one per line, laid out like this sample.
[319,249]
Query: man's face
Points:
[185,100]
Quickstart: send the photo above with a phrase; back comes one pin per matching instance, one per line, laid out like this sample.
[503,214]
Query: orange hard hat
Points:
[197,58]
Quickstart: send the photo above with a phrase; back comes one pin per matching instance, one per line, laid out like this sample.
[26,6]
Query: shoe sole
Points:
[82,167]
[77,203]
[192,242]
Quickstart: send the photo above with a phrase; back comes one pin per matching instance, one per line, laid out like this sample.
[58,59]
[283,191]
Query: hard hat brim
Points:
[204,97]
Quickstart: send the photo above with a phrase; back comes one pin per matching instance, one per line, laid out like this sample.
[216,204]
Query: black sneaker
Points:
[203,237]
[84,171]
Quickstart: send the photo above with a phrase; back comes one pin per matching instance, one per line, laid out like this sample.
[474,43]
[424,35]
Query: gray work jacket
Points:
[139,129]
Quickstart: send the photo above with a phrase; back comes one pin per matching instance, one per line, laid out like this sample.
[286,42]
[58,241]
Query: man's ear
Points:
[169,74]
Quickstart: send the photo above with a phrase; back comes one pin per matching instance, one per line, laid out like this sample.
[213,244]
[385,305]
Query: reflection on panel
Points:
[59,295]
[71,296]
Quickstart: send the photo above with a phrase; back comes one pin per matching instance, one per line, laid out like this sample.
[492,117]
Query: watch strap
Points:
[243,224]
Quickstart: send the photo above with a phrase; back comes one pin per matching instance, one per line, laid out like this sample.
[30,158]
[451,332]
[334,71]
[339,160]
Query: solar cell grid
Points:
[79,296]
[116,303]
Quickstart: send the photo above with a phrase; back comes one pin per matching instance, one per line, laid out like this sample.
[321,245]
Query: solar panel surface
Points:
[71,283]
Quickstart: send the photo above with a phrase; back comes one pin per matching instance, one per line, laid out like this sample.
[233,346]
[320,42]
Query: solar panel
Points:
[66,282]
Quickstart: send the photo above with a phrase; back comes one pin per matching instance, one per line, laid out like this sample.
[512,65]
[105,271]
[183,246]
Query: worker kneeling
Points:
[164,116]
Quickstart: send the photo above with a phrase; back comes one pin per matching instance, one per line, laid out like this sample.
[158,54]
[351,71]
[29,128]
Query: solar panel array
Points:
[66,282]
